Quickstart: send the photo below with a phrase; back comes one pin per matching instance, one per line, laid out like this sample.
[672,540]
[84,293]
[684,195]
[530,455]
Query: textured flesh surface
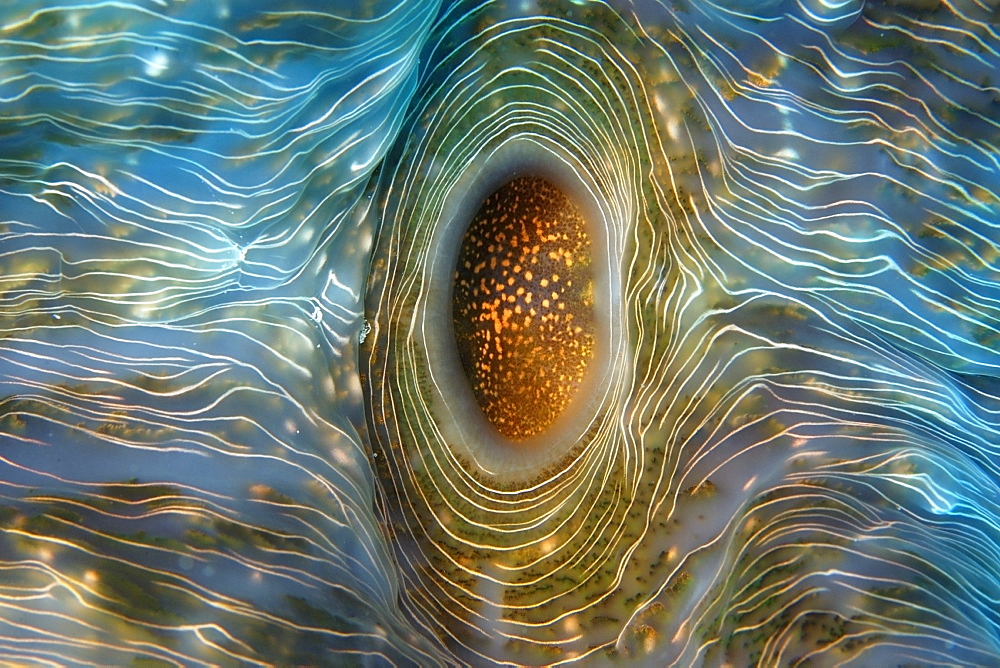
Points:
[215,252]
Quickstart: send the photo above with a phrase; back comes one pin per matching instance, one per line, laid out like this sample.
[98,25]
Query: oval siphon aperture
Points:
[523,305]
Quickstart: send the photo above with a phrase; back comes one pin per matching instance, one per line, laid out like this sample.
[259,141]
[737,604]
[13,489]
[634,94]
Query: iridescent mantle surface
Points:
[796,460]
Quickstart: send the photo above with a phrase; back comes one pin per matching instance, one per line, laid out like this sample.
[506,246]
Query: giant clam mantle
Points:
[774,438]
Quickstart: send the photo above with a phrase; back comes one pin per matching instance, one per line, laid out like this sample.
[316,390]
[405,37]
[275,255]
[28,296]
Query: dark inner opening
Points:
[523,305]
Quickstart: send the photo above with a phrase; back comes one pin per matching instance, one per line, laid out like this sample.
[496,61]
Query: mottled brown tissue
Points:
[523,305]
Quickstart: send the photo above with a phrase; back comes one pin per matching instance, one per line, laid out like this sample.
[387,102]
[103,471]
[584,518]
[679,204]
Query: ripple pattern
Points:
[791,454]
[181,474]
[763,479]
